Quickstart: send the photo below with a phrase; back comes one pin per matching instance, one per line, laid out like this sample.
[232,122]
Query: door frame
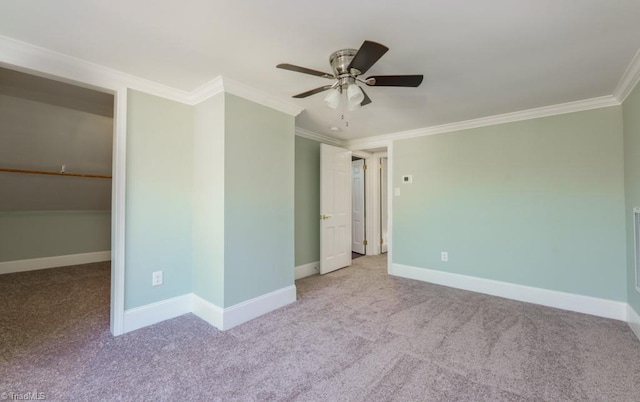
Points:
[369,189]
[40,62]
[379,157]
[373,193]
[364,204]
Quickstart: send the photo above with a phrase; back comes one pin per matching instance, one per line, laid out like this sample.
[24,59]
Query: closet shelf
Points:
[97,176]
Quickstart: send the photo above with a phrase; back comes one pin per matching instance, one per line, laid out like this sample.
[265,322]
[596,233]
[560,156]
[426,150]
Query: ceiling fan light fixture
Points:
[355,96]
[333,98]
[353,106]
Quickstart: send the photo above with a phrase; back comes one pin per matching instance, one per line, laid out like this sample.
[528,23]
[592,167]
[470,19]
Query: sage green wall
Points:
[158,198]
[537,202]
[259,200]
[38,234]
[631,123]
[40,136]
[208,200]
[307,201]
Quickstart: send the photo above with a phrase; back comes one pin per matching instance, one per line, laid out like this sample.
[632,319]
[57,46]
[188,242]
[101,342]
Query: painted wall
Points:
[38,234]
[46,216]
[208,200]
[158,198]
[258,199]
[40,136]
[537,203]
[631,123]
[307,201]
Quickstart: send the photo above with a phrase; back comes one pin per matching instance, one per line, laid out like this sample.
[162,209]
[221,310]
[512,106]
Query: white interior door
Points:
[383,205]
[335,208]
[358,244]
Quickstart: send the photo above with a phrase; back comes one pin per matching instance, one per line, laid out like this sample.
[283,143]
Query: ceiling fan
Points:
[348,65]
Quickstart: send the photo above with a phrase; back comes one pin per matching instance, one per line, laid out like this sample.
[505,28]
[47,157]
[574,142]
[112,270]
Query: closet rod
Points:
[98,176]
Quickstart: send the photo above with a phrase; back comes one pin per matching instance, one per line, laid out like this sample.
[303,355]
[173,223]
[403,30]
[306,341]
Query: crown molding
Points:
[206,91]
[41,61]
[325,139]
[38,60]
[629,79]
[223,84]
[546,111]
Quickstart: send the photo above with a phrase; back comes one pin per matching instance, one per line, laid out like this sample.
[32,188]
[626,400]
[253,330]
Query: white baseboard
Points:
[32,264]
[633,319]
[221,318]
[552,298]
[208,311]
[302,271]
[253,308]
[154,313]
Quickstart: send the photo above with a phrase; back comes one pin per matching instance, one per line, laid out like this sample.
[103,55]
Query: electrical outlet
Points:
[156,278]
[444,256]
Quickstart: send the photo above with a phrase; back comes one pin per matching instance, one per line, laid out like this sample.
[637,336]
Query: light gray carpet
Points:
[354,335]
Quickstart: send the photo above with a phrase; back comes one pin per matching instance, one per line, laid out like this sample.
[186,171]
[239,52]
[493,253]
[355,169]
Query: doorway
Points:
[358,208]
[377,201]
[384,210]
[57,162]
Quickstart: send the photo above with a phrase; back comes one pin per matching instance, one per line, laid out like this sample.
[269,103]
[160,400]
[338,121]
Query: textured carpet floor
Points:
[354,335]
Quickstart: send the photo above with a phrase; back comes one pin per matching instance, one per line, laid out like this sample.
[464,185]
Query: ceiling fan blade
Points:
[394,80]
[304,70]
[367,55]
[313,91]
[366,99]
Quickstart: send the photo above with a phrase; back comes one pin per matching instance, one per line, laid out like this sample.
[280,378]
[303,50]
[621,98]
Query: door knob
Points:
[323,217]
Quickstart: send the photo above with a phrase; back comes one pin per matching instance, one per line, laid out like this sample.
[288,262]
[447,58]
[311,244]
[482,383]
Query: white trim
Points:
[221,318]
[361,154]
[223,84]
[154,313]
[305,270]
[545,111]
[390,196]
[118,205]
[629,79]
[551,298]
[227,318]
[208,311]
[372,209]
[33,264]
[38,59]
[253,308]
[633,319]
[206,91]
[321,138]
[636,250]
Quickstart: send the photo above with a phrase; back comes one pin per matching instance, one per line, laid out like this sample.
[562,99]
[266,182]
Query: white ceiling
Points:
[479,58]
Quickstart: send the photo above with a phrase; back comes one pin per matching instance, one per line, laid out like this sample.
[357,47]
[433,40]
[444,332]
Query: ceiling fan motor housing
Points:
[340,61]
